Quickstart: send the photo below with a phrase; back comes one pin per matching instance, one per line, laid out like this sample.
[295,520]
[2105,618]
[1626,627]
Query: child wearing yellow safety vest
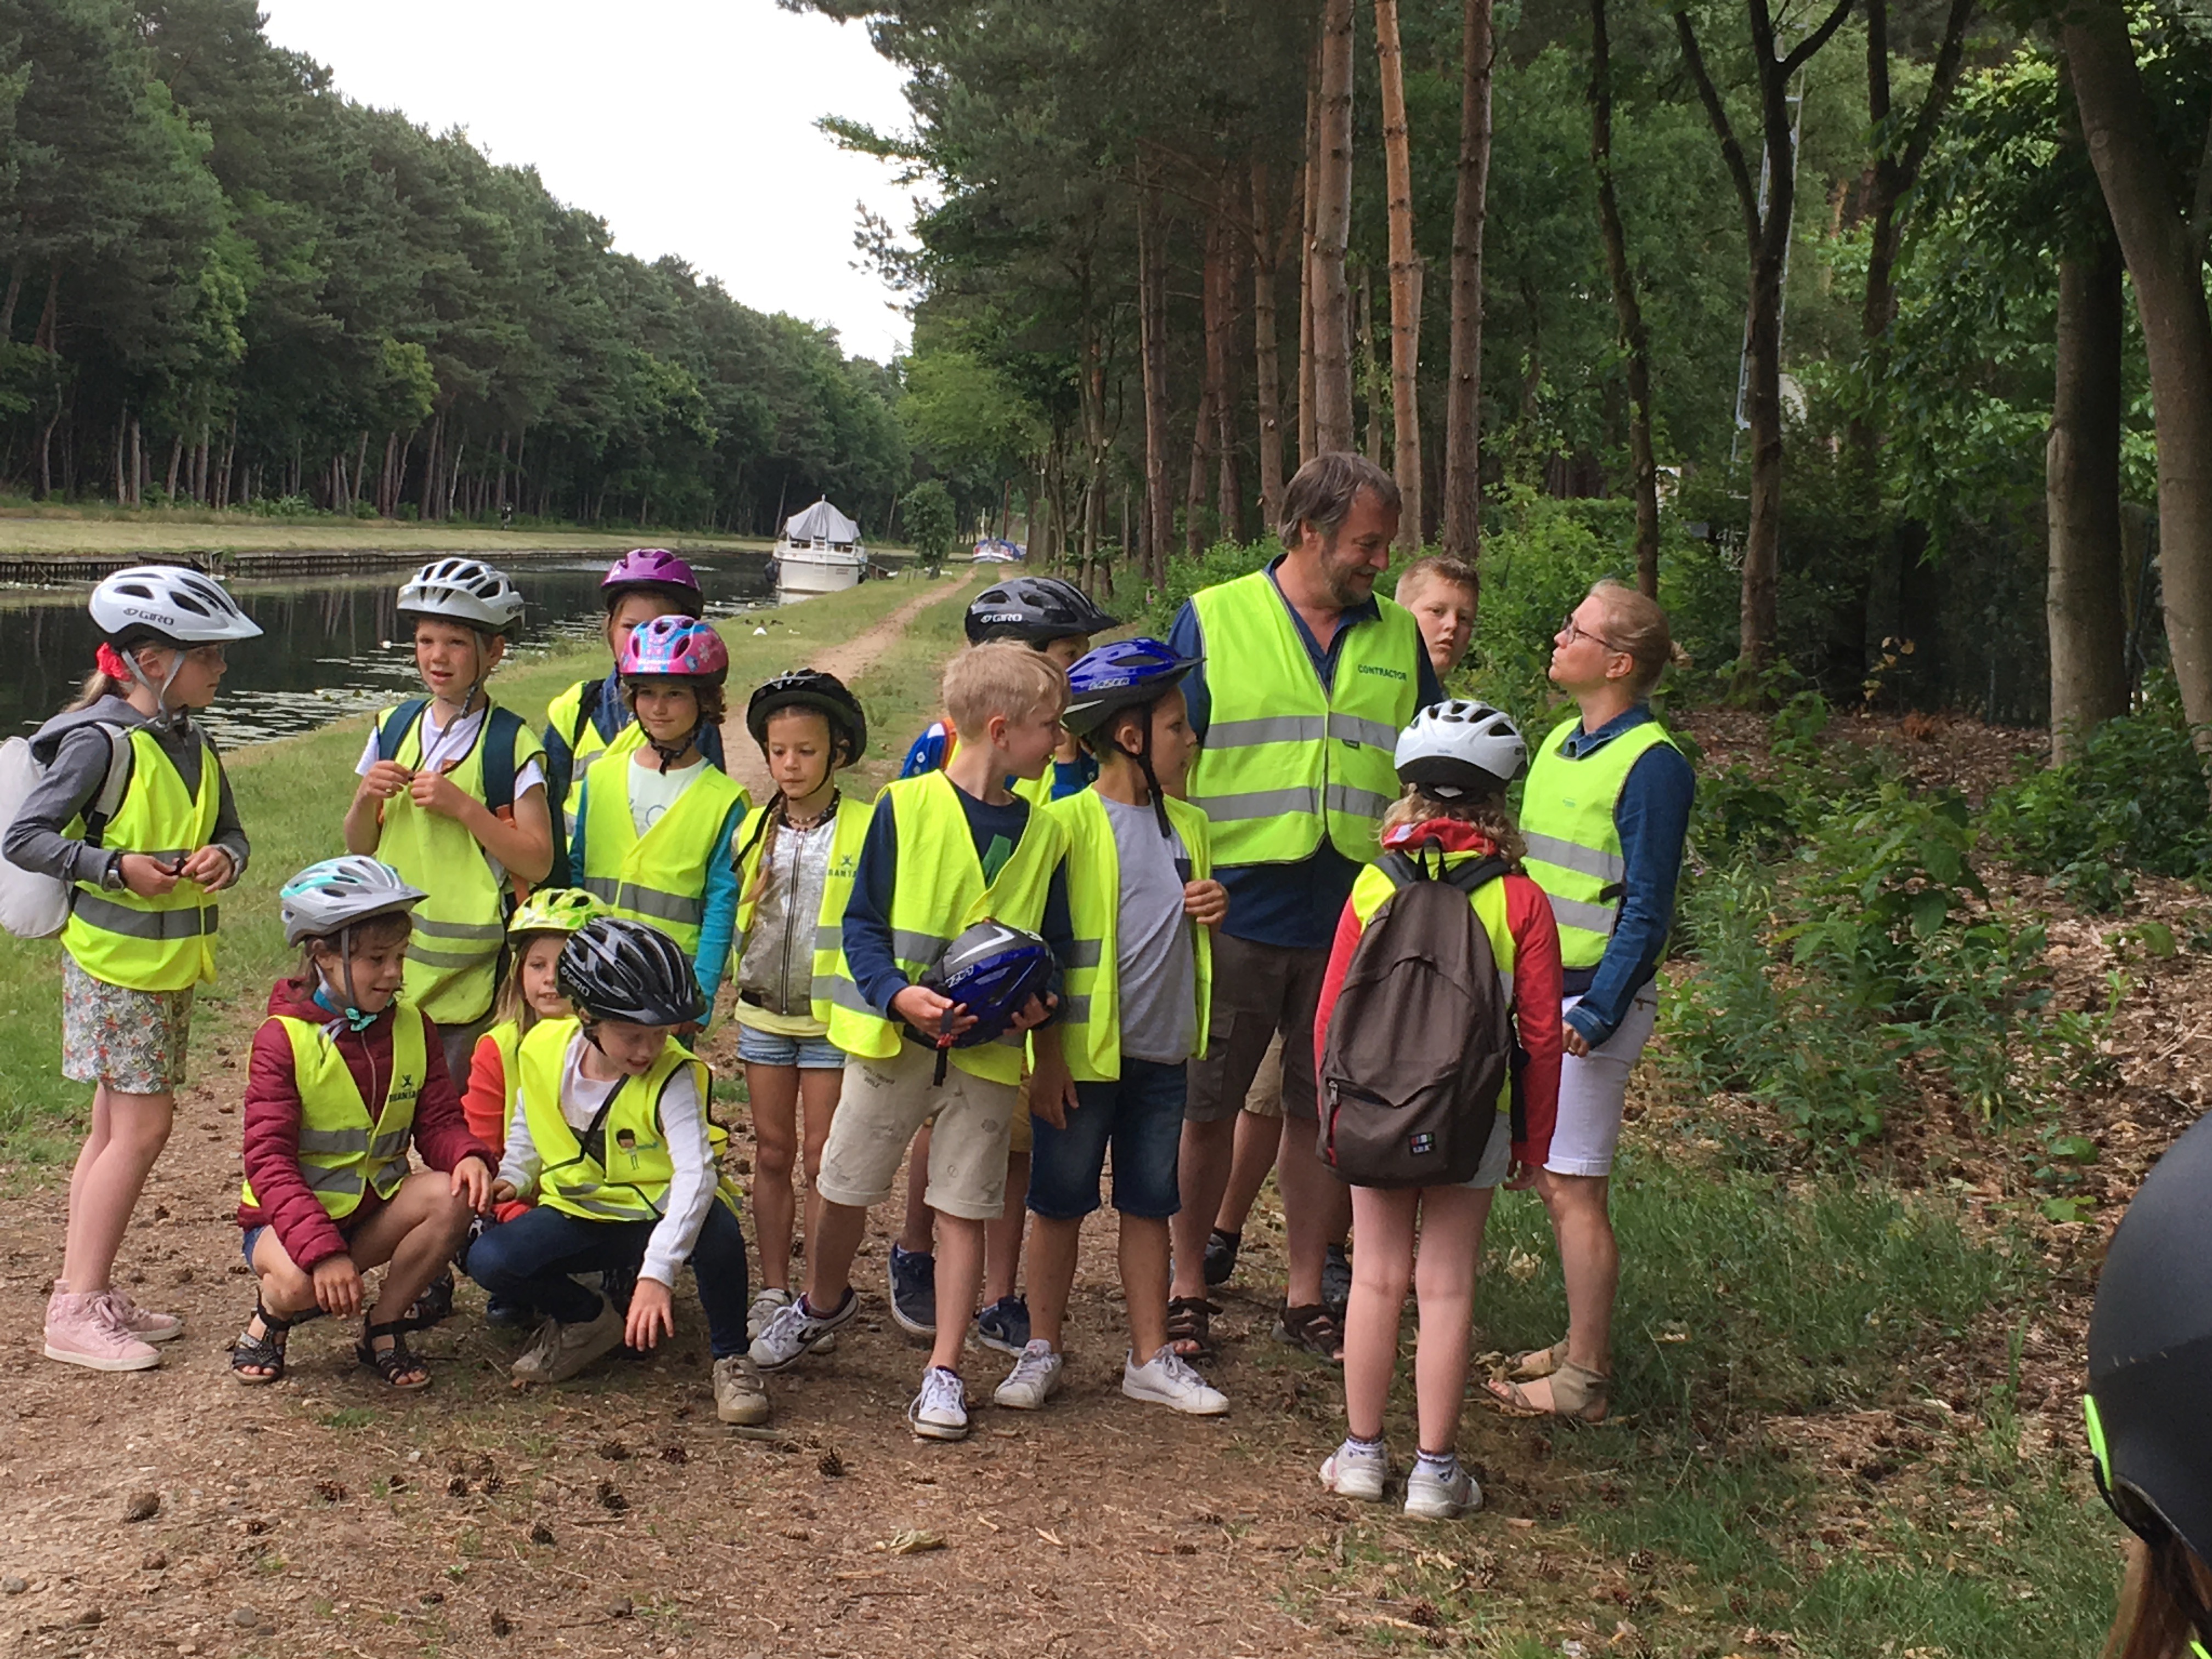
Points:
[453,796]
[134,818]
[944,852]
[1142,902]
[610,1138]
[796,858]
[345,1077]
[1055,619]
[655,826]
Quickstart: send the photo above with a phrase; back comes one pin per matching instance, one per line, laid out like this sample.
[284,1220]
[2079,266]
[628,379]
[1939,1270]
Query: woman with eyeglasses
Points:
[133,815]
[1604,812]
[2150,1379]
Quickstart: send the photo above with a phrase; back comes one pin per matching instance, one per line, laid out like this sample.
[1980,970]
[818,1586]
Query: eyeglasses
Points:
[207,656]
[1574,630]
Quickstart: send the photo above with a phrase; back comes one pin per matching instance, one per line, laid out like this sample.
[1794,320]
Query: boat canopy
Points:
[821,523]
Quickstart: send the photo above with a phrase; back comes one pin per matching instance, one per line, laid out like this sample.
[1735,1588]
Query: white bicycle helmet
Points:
[463,590]
[179,605]
[1460,747]
[326,898]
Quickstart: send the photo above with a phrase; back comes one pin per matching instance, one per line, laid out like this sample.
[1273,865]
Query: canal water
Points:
[329,645]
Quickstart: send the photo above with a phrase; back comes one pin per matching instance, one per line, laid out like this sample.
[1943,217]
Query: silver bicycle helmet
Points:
[1460,747]
[183,606]
[325,899]
[463,591]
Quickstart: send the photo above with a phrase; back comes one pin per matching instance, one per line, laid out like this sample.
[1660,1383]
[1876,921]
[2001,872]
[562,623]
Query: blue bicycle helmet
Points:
[1127,674]
[992,970]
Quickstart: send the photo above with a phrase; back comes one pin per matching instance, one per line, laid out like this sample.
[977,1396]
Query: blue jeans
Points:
[530,1259]
[1142,1115]
[814,1054]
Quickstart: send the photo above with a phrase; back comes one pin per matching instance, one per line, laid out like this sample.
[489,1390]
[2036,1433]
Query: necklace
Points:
[814,823]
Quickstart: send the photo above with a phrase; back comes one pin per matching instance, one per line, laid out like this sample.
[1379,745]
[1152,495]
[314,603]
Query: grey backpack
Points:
[1420,1041]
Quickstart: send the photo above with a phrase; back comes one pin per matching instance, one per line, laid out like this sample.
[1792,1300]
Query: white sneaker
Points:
[795,1329]
[940,1412]
[560,1350]
[1034,1379]
[1356,1471]
[740,1396]
[765,1307]
[1432,1499]
[1167,1379]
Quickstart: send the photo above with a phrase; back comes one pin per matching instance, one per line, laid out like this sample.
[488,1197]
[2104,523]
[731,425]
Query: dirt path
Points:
[848,661]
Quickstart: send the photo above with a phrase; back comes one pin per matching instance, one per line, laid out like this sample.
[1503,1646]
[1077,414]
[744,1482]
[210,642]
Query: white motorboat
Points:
[819,552]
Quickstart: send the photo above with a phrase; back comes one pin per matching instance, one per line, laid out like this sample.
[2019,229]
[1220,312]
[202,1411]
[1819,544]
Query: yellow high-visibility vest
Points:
[660,877]
[1574,845]
[165,944]
[345,1150]
[844,843]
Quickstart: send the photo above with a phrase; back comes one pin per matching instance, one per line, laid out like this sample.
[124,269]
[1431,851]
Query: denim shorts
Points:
[253,1237]
[1141,1116]
[816,1053]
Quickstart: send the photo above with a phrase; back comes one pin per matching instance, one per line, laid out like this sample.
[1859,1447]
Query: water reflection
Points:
[329,645]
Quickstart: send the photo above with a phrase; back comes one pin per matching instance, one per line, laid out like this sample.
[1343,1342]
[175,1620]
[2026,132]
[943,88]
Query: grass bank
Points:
[292,794]
[68,532]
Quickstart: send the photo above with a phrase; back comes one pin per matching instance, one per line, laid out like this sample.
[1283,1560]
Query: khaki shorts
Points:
[882,1107]
[1265,1097]
[1021,1136]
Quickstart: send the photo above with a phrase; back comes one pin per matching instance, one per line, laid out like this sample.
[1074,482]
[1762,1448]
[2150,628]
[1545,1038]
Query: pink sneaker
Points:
[86,1330]
[141,1322]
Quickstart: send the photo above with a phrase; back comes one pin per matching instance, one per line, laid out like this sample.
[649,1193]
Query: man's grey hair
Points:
[1320,497]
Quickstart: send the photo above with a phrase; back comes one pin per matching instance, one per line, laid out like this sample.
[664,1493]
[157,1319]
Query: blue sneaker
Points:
[1004,1325]
[914,1291]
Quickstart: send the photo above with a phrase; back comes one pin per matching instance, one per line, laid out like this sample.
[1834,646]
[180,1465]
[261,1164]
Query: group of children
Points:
[504,972]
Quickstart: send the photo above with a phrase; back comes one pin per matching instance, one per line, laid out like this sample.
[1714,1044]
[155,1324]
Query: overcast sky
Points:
[686,124]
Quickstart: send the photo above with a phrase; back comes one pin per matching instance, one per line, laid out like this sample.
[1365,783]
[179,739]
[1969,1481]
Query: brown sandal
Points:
[1579,1395]
[1537,1364]
[1190,1321]
[1313,1327]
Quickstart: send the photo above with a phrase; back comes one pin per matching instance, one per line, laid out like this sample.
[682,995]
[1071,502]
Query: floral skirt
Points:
[132,1041]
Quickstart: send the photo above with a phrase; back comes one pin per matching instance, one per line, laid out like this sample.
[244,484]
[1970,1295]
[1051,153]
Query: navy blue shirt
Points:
[1292,905]
[997,830]
[1652,819]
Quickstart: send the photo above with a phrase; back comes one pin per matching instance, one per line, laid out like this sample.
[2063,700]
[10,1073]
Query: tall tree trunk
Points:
[1405,279]
[8,303]
[1461,529]
[2166,263]
[1266,366]
[1332,346]
[1221,367]
[137,465]
[1309,201]
[176,458]
[1766,237]
[1152,351]
[2081,471]
[1201,453]
[1371,371]
[44,336]
[1628,312]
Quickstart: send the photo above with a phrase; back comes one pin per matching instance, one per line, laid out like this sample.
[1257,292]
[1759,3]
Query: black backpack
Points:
[1420,1041]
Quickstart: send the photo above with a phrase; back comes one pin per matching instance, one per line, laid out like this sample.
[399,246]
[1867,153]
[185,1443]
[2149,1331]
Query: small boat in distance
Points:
[996,550]
[819,552]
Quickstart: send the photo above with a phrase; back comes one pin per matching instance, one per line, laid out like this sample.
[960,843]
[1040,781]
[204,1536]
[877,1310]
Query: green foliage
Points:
[929,523]
[2133,799]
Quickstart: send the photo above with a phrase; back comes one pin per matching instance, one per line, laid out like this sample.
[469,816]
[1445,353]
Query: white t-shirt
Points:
[454,742]
[652,792]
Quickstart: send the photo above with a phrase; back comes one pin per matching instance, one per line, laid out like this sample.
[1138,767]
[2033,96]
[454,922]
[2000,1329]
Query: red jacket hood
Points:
[1457,834]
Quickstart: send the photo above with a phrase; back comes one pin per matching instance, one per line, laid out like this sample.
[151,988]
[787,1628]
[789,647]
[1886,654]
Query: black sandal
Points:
[1313,1327]
[264,1352]
[1190,1319]
[433,1307]
[393,1363]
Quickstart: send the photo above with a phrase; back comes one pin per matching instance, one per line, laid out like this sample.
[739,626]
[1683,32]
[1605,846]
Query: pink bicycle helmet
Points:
[653,570]
[676,648]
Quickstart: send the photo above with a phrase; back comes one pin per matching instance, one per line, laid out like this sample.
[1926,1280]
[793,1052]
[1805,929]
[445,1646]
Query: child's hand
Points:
[503,1192]
[211,867]
[652,1314]
[147,877]
[925,1011]
[1205,902]
[385,780]
[1034,1011]
[434,792]
[1521,1177]
[1573,1040]
[1052,1090]
[471,1181]
[337,1286]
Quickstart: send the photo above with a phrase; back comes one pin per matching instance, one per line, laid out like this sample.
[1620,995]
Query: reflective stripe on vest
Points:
[632,1185]
[1089,1021]
[659,877]
[1574,844]
[588,748]
[164,943]
[343,1154]
[1285,763]
[952,895]
[1373,886]
[452,960]
[844,843]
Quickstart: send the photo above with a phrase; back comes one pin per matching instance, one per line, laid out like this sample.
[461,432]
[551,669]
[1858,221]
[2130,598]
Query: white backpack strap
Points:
[110,798]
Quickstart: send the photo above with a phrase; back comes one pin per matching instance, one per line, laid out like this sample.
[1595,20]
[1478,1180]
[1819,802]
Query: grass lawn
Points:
[61,532]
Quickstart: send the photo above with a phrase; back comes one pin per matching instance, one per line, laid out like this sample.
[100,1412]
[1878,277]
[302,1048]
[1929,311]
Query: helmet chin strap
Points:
[165,717]
[1142,756]
[350,1016]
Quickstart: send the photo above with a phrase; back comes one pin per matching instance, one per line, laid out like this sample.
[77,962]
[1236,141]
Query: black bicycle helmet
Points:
[1035,609]
[2150,1353]
[613,968]
[807,687]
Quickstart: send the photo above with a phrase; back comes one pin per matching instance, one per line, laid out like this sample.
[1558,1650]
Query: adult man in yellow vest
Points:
[1306,680]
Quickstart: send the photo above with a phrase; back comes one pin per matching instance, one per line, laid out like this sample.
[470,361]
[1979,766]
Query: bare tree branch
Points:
[1817,39]
[1716,112]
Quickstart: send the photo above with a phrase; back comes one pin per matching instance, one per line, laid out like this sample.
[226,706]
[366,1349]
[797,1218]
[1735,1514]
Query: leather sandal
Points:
[258,1361]
[395,1363]
[433,1307]
[1314,1328]
[1534,1365]
[1190,1321]
[1579,1395]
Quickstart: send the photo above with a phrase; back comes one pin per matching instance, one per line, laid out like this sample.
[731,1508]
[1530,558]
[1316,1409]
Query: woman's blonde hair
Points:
[2153,1621]
[1488,813]
[511,1004]
[1637,626]
[1002,677]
